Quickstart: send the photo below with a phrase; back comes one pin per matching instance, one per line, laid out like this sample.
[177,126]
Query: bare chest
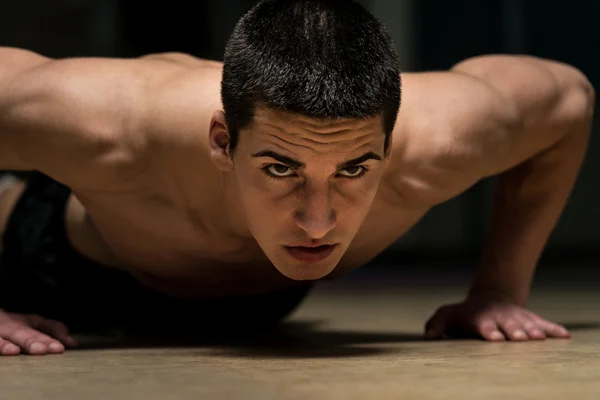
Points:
[182,253]
[168,249]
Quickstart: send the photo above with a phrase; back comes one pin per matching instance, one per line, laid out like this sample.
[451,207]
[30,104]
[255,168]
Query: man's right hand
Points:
[32,334]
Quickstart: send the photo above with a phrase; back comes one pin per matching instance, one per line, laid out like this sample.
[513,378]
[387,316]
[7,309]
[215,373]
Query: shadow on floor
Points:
[580,326]
[295,339]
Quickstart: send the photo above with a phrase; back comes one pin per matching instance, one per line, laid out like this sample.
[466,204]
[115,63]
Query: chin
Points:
[306,273]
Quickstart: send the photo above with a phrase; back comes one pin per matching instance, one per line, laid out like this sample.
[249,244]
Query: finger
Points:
[512,329]
[532,329]
[32,341]
[488,329]
[553,330]
[56,329]
[436,325]
[8,349]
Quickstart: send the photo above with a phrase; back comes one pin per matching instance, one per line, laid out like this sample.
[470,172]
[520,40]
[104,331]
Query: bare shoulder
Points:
[95,123]
[184,97]
[169,101]
[447,125]
[179,110]
[481,117]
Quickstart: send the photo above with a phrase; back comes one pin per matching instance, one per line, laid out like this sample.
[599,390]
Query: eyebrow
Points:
[300,165]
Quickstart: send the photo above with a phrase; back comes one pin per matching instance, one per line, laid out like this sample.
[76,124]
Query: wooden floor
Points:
[353,339]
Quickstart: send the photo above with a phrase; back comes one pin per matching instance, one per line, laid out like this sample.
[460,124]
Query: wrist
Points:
[497,292]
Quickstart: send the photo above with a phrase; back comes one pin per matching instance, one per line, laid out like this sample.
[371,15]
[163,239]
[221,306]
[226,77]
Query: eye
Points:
[353,172]
[279,170]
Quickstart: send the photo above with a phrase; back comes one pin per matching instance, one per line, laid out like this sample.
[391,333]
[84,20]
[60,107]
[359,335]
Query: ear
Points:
[218,142]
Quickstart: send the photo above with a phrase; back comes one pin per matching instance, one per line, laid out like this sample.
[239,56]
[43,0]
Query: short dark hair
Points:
[319,58]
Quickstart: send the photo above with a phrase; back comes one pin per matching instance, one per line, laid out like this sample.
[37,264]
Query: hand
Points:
[33,334]
[494,317]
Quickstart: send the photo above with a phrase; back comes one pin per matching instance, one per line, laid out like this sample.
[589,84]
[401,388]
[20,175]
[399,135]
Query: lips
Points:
[310,254]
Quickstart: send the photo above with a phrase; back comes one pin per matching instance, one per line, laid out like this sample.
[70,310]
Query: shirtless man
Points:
[231,187]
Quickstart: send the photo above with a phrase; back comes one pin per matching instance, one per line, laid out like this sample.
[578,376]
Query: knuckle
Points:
[45,339]
[10,326]
[485,323]
[530,326]
[23,335]
[509,322]
[25,342]
[18,331]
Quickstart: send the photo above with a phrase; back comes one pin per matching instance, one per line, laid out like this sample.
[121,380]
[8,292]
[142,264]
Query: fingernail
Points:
[519,334]
[36,347]
[496,335]
[563,331]
[537,332]
[57,347]
[10,349]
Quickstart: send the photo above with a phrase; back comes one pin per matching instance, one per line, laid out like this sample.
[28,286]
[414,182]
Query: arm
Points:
[527,122]
[537,166]
[77,120]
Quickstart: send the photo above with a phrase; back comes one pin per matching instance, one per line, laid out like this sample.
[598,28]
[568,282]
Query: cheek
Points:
[359,196]
[263,193]
[265,203]
[355,205]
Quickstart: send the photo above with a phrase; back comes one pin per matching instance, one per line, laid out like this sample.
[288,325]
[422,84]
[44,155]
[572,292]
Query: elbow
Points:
[576,104]
[591,98]
[580,99]
[588,94]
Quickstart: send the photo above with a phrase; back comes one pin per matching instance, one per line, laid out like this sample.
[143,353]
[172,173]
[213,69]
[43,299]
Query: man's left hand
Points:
[493,317]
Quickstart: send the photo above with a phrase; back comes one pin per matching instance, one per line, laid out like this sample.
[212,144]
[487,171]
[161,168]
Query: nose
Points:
[316,216]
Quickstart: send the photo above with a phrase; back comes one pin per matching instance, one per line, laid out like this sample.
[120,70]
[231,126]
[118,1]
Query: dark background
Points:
[429,34]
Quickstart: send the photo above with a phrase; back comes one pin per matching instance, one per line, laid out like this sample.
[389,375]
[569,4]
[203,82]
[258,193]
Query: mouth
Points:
[311,254]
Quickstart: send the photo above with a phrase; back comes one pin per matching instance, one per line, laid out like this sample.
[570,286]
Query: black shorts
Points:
[41,273]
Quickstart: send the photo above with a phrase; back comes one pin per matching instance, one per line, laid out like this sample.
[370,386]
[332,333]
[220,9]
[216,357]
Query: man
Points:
[189,190]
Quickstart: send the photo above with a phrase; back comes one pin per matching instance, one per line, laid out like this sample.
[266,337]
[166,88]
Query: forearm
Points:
[528,202]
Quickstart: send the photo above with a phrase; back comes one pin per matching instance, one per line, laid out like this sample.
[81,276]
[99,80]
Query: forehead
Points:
[289,129]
